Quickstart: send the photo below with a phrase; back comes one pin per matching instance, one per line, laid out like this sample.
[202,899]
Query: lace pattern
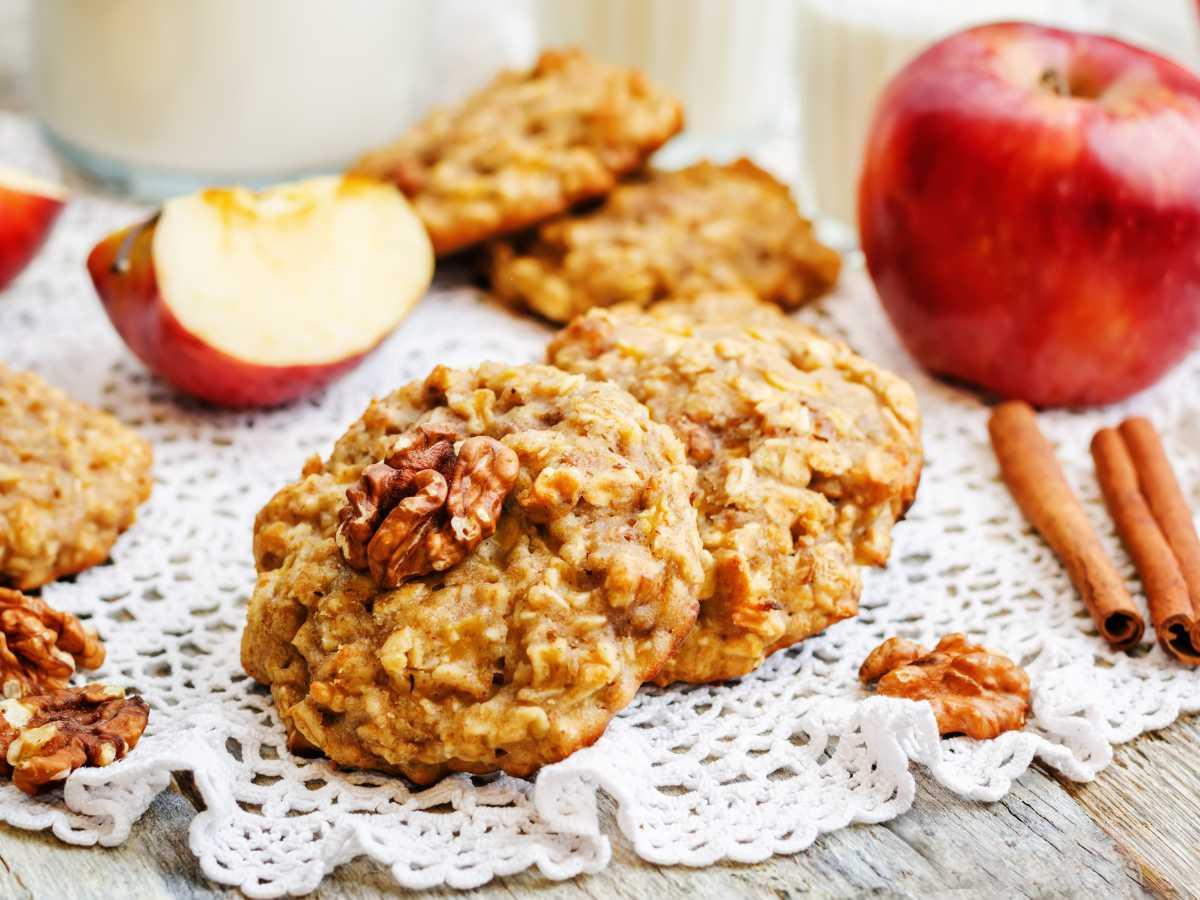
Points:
[700,774]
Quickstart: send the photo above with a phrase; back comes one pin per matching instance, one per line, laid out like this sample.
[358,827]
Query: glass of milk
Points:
[847,50]
[158,97]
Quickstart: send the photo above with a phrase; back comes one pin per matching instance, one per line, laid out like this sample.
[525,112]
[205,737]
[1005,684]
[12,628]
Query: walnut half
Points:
[383,484]
[424,507]
[46,737]
[40,647]
[972,690]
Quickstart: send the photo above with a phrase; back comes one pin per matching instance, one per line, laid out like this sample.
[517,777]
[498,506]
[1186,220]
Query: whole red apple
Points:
[1030,212]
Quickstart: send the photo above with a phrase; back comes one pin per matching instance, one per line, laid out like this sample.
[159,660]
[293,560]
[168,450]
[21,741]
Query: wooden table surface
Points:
[1134,831]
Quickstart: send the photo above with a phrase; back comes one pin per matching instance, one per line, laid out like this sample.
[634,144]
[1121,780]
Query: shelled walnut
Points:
[46,737]
[424,507]
[40,647]
[972,690]
[383,484]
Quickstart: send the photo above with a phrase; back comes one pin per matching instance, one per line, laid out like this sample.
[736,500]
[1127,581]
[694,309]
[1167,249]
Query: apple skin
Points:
[25,223]
[122,269]
[1042,246]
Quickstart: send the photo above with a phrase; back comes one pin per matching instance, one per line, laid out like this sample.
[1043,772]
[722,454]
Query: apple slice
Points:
[247,298]
[28,208]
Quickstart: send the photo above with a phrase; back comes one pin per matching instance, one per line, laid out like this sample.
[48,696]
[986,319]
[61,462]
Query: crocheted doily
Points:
[737,771]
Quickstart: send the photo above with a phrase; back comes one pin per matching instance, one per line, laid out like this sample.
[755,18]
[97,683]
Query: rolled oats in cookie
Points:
[666,235]
[807,455]
[543,561]
[526,147]
[71,480]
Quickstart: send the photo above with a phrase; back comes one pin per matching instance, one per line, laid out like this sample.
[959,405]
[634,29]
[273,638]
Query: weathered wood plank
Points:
[1149,801]
[154,863]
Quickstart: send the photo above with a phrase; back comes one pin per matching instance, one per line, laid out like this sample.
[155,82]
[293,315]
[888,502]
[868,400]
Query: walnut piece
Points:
[384,483]
[423,508]
[40,647]
[483,475]
[427,447]
[972,690]
[46,737]
[400,548]
[891,654]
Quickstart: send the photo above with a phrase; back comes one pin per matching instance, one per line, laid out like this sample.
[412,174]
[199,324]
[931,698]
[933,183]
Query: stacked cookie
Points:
[508,168]
[492,561]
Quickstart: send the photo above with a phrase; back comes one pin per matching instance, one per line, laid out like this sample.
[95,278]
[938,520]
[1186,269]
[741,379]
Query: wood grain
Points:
[155,863]
[1148,801]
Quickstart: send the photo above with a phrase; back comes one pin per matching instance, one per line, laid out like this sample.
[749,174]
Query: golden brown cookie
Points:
[517,653]
[672,235]
[71,480]
[526,147]
[807,455]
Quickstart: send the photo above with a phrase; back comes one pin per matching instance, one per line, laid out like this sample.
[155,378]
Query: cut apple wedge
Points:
[247,298]
[28,208]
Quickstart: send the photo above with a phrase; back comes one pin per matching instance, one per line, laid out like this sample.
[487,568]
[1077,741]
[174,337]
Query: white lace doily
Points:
[738,771]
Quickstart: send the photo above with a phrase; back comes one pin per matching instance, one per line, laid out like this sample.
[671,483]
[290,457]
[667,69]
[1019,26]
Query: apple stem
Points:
[120,263]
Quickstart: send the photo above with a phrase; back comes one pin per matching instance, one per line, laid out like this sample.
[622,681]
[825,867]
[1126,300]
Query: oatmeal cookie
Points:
[807,456]
[521,652]
[672,235]
[526,147]
[71,480]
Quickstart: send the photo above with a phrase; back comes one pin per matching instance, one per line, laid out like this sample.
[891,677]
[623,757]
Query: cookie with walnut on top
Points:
[482,573]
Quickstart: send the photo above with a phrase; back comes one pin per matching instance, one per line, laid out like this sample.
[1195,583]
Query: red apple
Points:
[1030,212]
[253,299]
[28,208]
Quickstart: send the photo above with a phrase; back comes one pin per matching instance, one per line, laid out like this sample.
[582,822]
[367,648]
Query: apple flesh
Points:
[28,208]
[249,298]
[1029,208]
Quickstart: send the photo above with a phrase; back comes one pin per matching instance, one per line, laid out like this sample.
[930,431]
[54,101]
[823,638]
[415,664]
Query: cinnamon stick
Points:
[1167,504]
[1037,483]
[1171,609]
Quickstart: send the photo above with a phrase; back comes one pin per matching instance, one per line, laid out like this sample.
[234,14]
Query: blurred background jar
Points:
[847,50]
[157,97]
[729,61]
